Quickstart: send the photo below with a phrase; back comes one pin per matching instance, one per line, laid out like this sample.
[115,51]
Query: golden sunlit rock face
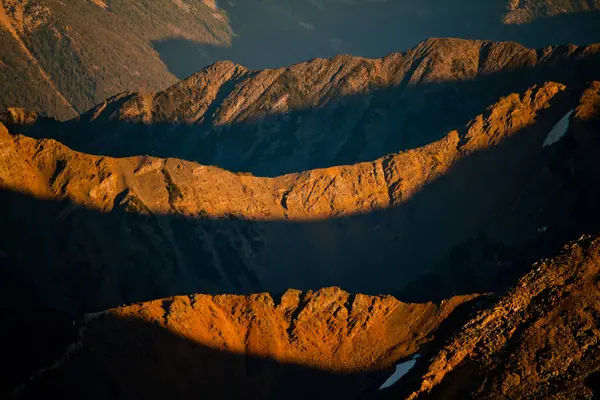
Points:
[145,273]
[199,228]
[165,186]
[259,345]
[324,112]
[329,329]
[540,340]
[526,11]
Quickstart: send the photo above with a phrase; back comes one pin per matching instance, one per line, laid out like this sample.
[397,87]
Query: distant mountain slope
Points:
[93,49]
[90,50]
[525,11]
[324,112]
[288,31]
[18,71]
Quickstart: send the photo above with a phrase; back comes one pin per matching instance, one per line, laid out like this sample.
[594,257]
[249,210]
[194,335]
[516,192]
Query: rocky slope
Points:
[324,343]
[80,52]
[62,57]
[538,340]
[115,230]
[323,112]
[505,175]
[525,11]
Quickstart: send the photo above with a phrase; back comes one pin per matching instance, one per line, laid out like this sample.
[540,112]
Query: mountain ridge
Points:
[132,273]
[167,40]
[527,341]
[273,122]
[177,209]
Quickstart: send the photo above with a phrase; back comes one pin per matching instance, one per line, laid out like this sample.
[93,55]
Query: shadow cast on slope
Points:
[346,130]
[116,356]
[502,209]
[297,31]
[128,358]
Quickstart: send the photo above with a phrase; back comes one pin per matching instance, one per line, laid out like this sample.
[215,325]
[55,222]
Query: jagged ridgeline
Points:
[60,57]
[120,230]
[540,339]
[459,177]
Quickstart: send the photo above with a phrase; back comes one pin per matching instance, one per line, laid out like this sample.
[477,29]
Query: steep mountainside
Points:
[115,230]
[85,51]
[538,340]
[541,340]
[63,56]
[325,343]
[323,112]
[451,175]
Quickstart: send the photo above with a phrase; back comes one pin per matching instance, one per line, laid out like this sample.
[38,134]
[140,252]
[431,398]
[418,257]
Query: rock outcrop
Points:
[540,340]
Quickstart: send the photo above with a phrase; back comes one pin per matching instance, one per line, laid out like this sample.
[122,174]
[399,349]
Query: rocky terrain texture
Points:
[89,222]
[120,230]
[323,112]
[324,343]
[524,11]
[538,340]
[61,57]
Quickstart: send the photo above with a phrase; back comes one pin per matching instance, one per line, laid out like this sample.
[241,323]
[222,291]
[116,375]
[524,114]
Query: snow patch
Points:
[558,131]
[401,370]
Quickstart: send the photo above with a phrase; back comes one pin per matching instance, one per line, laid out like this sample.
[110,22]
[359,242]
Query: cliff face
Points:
[329,333]
[327,342]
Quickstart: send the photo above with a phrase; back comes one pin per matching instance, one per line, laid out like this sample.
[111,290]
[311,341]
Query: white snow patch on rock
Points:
[401,370]
[558,131]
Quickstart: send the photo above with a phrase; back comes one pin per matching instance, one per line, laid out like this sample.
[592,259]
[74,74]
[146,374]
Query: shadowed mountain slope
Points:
[121,230]
[537,340]
[323,112]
